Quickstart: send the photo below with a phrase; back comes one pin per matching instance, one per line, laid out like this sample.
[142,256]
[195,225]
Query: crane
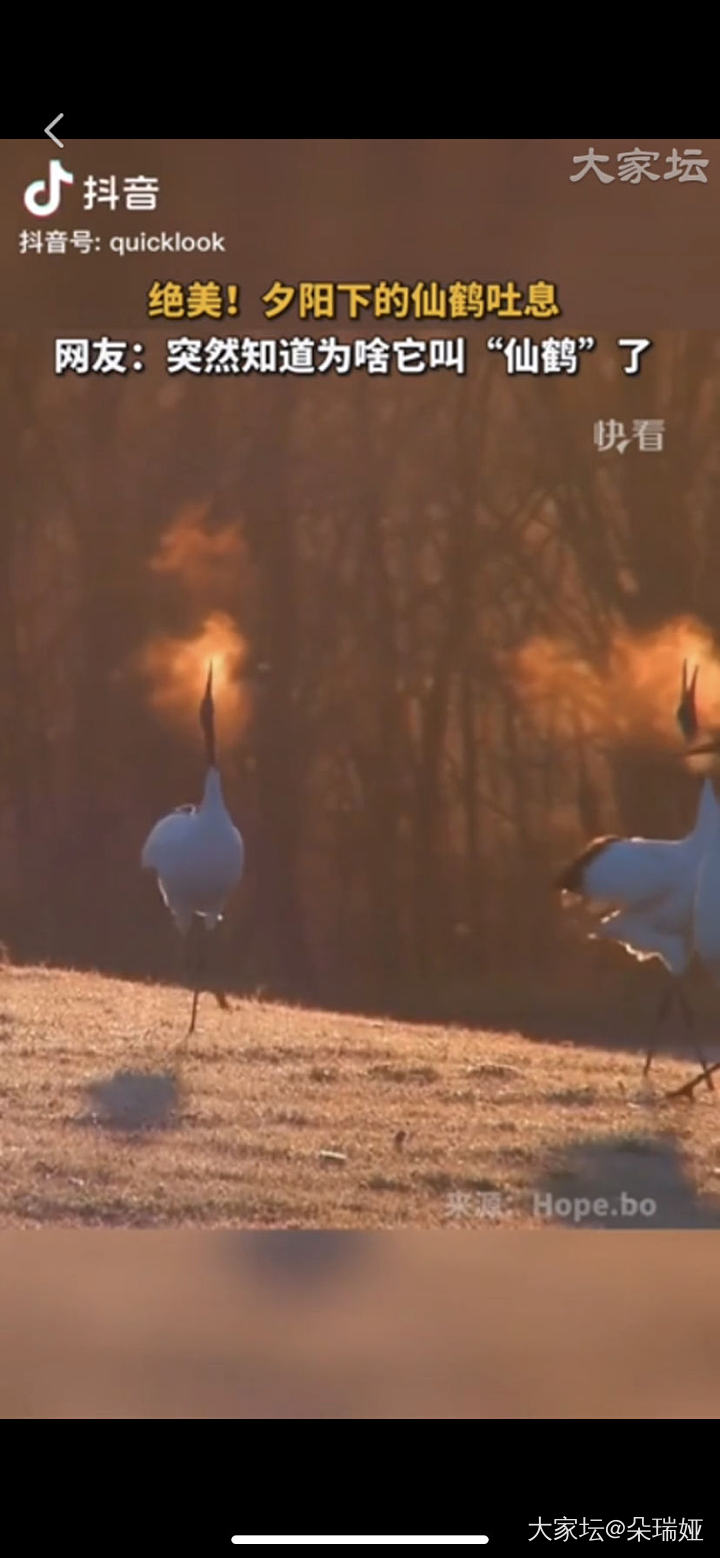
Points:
[649,887]
[706,912]
[198,854]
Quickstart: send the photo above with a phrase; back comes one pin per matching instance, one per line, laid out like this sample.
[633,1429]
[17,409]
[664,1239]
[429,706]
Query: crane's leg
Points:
[219,995]
[199,972]
[664,1006]
[194,960]
[201,978]
[676,994]
[689,1016]
[184,960]
[688,1088]
[191,949]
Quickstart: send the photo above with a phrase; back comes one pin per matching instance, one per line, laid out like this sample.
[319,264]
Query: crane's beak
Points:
[686,712]
[207,718]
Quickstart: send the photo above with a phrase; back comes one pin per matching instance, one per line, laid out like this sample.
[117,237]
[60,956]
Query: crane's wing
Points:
[644,940]
[167,841]
[629,873]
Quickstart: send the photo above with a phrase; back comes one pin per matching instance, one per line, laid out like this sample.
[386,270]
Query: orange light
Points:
[633,696]
[176,670]
[198,557]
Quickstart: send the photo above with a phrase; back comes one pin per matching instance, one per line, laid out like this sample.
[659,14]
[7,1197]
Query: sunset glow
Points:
[176,669]
[633,696]
[197,555]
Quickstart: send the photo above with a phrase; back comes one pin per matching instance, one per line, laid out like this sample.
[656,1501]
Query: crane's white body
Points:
[198,855]
[665,893]
[706,908]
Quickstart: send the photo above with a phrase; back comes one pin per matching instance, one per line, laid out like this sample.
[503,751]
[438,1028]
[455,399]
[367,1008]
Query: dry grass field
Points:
[275,1117]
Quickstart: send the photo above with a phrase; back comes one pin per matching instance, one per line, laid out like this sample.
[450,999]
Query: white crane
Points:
[198,853]
[650,887]
[706,915]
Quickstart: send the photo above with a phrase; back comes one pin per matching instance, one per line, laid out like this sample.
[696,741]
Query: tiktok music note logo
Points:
[33,197]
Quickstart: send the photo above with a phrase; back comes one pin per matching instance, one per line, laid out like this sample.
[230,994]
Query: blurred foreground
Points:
[323,1325]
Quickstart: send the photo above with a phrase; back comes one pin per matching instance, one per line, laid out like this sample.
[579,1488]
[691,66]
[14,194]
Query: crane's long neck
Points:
[213,799]
[208,725]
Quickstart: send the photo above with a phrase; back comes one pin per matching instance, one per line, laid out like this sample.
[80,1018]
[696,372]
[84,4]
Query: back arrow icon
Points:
[51,126]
